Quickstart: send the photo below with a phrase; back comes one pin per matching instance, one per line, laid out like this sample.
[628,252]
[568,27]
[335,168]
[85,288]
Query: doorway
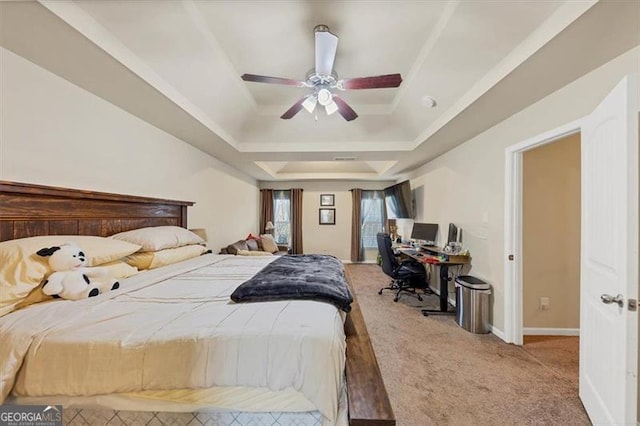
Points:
[551,255]
[539,311]
[551,238]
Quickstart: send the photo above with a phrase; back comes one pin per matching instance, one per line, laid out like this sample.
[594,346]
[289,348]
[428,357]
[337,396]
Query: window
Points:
[282,216]
[372,217]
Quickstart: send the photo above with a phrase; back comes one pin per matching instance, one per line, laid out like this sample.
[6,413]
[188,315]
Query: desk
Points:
[435,256]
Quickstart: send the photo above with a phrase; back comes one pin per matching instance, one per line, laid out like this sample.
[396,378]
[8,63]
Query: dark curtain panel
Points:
[266,208]
[384,212]
[296,221]
[357,251]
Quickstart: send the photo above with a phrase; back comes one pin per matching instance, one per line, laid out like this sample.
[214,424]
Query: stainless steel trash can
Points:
[472,304]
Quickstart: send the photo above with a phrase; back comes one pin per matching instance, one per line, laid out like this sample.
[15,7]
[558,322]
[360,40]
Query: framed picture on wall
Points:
[327,199]
[327,216]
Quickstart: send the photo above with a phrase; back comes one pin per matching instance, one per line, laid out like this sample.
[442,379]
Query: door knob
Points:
[607,298]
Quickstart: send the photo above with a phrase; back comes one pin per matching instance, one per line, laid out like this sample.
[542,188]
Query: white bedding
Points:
[175,328]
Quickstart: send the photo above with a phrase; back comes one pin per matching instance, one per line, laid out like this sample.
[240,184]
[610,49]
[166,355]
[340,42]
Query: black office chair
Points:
[407,276]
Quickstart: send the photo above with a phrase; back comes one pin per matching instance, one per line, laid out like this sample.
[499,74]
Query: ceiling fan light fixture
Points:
[331,107]
[324,97]
[310,103]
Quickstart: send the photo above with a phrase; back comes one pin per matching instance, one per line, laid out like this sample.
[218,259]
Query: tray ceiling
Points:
[192,54]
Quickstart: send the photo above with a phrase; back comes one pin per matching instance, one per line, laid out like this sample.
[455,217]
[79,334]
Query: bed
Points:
[314,392]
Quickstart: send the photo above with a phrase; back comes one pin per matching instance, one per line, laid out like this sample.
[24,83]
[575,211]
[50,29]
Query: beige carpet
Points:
[437,373]
[559,353]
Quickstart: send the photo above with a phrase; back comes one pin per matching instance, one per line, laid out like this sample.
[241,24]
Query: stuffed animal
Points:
[70,278]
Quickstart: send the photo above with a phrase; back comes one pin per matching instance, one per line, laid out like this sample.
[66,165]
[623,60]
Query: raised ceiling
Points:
[192,53]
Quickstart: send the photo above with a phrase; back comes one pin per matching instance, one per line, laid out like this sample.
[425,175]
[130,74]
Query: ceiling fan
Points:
[323,80]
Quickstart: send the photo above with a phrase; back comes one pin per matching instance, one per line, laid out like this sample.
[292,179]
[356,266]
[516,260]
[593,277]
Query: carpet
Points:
[560,353]
[437,373]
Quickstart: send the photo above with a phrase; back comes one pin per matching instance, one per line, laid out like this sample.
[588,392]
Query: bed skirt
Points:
[96,417]
[237,408]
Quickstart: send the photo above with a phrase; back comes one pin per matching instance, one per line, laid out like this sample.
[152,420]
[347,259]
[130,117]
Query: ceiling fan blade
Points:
[377,82]
[344,109]
[326,46]
[293,110]
[272,80]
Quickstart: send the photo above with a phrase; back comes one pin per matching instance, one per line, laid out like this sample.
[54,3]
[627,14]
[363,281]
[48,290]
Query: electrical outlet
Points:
[545,304]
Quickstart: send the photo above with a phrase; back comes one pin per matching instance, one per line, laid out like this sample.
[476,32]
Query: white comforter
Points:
[180,332]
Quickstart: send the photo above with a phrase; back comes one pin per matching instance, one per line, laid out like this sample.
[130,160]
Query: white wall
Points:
[55,133]
[328,239]
[466,185]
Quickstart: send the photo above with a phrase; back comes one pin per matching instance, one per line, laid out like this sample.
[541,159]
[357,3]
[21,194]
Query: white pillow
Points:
[159,237]
[156,259]
[119,269]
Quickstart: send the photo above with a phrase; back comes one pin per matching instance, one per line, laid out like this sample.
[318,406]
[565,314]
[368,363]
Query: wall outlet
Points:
[545,304]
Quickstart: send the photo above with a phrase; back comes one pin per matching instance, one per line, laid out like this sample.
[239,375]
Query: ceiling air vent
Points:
[344,158]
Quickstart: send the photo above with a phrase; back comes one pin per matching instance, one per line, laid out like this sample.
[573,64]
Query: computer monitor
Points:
[455,234]
[425,232]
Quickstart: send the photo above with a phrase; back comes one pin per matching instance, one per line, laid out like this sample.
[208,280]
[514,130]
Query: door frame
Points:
[513,285]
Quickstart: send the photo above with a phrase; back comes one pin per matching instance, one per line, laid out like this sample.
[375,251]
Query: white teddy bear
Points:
[71,279]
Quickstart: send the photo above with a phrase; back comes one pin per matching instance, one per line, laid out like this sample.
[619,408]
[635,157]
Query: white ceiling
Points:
[192,53]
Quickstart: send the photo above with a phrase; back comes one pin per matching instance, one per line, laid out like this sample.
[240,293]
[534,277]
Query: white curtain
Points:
[372,217]
[282,216]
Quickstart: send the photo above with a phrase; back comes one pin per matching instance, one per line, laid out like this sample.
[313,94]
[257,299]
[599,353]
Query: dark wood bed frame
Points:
[28,210]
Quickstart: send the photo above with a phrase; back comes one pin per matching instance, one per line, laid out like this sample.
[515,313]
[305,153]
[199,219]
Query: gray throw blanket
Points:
[298,277]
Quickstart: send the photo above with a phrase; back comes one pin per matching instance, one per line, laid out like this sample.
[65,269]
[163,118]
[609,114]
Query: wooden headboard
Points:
[28,210]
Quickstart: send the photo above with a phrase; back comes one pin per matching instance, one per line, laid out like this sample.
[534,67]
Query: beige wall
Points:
[55,133]
[551,234]
[466,185]
[328,239]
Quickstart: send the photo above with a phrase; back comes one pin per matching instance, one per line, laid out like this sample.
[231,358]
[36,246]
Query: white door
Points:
[609,258]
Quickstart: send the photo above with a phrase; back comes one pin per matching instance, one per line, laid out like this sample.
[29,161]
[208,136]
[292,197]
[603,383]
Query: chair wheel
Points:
[395,299]
[380,292]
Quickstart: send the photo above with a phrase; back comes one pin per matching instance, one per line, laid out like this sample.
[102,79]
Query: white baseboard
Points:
[364,261]
[533,331]
[498,333]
